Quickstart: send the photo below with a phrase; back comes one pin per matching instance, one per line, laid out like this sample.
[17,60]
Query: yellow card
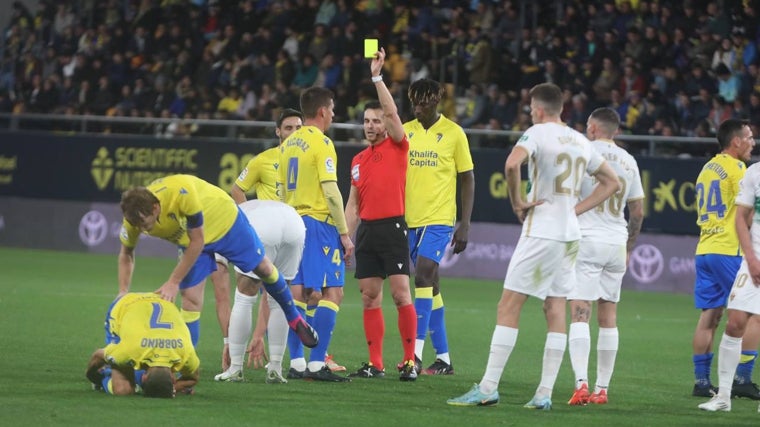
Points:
[370,48]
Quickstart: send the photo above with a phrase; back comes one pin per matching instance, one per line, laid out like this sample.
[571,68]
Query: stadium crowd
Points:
[667,67]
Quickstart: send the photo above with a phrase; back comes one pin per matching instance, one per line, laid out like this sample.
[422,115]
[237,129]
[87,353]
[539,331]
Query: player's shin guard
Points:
[374,331]
[423,305]
[746,365]
[324,323]
[437,327]
[193,321]
[279,290]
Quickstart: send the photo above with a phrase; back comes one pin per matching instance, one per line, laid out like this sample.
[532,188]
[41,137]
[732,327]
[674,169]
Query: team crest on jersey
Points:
[438,137]
[411,134]
[355,173]
[182,191]
[326,249]
[330,165]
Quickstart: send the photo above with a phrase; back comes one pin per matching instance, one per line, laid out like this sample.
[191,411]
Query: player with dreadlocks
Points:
[439,156]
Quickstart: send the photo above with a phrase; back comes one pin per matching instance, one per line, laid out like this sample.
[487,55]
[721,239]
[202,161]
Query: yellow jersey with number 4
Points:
[716,189]
[307,159]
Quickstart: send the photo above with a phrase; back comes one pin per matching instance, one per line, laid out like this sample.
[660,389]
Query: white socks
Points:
[728,359]
[502,343]
[606,352]
[419,345]
[579,345]
[240,327]
[277,334]
[554,351]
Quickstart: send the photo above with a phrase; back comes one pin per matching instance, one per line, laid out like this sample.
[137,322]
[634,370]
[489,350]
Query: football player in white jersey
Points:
[558,158]
[606,241]
[282,232]
[744,299]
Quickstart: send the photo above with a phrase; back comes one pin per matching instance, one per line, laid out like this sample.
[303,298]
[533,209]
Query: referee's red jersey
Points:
[379,174]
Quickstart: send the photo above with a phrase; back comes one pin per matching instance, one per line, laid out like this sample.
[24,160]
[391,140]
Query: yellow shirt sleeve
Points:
[249,176]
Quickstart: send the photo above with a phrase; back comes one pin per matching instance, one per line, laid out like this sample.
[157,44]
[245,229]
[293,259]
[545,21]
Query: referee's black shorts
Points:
[382,248]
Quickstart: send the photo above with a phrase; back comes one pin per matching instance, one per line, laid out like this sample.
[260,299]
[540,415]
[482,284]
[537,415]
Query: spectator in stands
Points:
[476,109]
[728,84]
[720,112]
[631,80]
[306,72]
[225,43]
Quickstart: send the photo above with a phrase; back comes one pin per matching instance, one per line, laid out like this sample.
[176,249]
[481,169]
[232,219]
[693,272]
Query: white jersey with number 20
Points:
[559,158]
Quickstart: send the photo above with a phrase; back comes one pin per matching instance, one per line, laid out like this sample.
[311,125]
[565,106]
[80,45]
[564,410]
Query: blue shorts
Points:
[241,246]
[322,263]
[429,241]
[715,277]
[110,337]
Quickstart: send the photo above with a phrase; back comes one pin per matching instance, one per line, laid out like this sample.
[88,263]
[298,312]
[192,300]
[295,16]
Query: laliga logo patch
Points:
[646,263]
[330,165]
[355,173]
[93,228]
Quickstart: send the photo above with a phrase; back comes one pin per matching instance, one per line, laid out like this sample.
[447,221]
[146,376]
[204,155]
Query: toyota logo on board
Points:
[646,263]
[93,228]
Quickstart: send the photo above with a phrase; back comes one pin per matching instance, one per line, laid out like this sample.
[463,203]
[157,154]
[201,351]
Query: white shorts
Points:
[282,232]
[745,295]
[542,267]
[599,272]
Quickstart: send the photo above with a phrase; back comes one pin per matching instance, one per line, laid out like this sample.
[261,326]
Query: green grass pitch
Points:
[52,306]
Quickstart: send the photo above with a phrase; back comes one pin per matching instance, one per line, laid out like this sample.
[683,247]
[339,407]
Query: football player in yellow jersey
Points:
[261,171]
[147,343]
[439,157]
[308,182]
[201,219]
[718,257]
[260,174]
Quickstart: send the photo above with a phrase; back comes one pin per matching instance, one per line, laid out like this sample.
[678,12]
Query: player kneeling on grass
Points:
[147,344]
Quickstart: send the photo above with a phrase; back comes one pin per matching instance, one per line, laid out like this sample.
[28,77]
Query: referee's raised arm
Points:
[391,120]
